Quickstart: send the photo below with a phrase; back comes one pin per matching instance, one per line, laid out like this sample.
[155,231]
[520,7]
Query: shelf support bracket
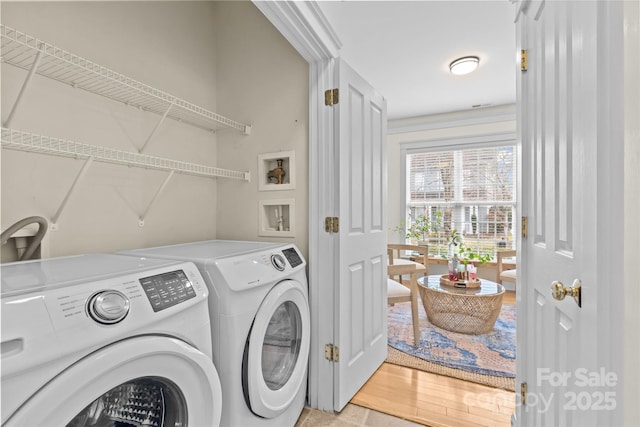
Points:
[155,129]
[151,203]
[25,85]
[83,171]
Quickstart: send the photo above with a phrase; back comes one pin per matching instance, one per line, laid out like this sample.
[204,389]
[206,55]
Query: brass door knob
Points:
[559,291]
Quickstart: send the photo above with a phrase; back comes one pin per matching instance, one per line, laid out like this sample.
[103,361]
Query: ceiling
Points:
[404,48]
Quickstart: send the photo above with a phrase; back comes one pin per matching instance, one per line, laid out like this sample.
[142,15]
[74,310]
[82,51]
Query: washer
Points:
[260,325]
[106,340]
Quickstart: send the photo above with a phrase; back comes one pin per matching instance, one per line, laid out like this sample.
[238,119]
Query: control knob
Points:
[108,307]
[278,262]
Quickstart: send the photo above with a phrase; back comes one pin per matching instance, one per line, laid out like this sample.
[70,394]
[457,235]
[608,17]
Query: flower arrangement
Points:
[463,252]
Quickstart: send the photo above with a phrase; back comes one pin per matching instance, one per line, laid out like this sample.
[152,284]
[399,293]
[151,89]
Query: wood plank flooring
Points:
[436,400]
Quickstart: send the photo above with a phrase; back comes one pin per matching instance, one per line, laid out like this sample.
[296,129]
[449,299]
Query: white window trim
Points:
[461,143]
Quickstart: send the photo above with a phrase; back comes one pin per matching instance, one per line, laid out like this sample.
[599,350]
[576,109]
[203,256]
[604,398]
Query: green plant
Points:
[419,228]
[465,253]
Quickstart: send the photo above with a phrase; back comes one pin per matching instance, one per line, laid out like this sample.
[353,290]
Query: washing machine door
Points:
[150,381]
[277,350]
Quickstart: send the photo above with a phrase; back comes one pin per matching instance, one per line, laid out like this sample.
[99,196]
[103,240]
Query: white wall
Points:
[172,46]
[263,81]
[631,208]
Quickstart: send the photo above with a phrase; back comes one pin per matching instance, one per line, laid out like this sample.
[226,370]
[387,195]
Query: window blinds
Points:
[470,190]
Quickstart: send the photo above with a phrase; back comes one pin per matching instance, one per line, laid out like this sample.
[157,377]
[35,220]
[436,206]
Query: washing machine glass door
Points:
[276,356]
[150,401]
[145,381]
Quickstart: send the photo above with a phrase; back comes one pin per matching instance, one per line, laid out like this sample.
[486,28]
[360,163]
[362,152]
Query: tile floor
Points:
[351,416]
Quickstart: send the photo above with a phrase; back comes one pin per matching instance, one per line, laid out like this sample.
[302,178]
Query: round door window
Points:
[140,402]
[277,351]
[281,345]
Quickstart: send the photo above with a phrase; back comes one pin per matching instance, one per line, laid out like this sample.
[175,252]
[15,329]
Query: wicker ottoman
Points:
[468,311]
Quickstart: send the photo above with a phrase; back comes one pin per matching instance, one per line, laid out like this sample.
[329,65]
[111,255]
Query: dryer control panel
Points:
[257,269]
[293,257]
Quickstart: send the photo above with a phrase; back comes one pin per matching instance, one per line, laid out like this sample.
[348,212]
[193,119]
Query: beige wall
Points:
[263,81]
[213,55]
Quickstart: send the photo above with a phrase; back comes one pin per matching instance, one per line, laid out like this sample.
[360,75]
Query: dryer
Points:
[106,340]
[260,325]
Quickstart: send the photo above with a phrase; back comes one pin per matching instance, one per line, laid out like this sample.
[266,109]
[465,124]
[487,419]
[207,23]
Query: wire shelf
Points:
[21,50]
[24,141]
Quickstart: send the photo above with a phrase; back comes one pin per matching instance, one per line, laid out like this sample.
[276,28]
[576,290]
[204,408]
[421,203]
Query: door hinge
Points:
[331,97]
[331,353]
[524,60]
[525,225]
[331,224]
[523,394]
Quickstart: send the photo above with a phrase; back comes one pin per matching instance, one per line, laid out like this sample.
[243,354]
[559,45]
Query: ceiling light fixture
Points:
[464,65]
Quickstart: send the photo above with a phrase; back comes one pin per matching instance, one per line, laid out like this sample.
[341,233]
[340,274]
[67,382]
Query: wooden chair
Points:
[502,274]
[397,292]
[401,254]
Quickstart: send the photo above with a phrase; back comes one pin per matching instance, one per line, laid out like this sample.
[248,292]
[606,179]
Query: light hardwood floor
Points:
[435,400]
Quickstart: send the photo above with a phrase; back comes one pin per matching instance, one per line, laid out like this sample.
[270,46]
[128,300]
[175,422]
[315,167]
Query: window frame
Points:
[458,143]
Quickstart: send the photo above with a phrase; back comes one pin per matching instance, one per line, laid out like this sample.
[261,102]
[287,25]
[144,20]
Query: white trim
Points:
[456,119]
[304,25]
[610,199]
[478,141]
[307,29]
[322,246]
[462,143]
[631,347]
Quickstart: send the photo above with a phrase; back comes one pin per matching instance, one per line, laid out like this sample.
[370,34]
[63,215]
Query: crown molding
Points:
[305,26]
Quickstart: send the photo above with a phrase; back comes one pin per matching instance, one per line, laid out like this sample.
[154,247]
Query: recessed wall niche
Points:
[276,171]
[277,218]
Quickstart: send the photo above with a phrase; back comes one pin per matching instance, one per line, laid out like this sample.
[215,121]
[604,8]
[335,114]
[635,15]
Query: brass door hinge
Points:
[524,60]
[331,97]
[523,394]
[525,225]
[331,224]
[331,353]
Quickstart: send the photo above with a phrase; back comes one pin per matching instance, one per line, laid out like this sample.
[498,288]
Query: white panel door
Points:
[563,351]
[361,328]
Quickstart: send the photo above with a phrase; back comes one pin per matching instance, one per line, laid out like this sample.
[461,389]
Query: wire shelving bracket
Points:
[34,55]
[25,141]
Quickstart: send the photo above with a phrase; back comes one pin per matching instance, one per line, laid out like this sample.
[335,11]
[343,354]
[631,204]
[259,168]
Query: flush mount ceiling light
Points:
[464,65]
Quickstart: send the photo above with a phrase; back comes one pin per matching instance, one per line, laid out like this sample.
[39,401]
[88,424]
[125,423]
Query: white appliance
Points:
[260,326]
[101,340]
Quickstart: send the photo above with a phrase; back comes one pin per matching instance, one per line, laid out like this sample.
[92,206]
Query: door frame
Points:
[308,31]
[304,25]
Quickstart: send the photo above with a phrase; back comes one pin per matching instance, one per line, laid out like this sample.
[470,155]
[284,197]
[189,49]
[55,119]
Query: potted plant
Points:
[462,255]
[419,229]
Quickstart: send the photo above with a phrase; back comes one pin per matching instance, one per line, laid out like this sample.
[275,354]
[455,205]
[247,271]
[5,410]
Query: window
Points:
[470,190]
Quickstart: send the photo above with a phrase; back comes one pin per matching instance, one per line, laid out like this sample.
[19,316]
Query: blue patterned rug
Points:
[489,354]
